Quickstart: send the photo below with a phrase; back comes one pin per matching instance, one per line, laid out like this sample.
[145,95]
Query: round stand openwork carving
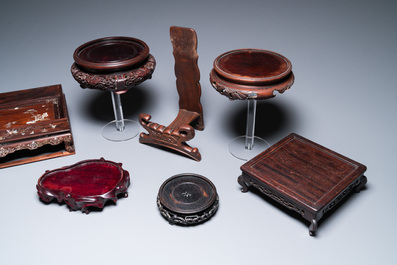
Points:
[187,199]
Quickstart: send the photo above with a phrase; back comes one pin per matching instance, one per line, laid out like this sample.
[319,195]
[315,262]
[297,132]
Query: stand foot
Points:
[313,227]
[360,186]
[242,183]
[237,147]
[111,133]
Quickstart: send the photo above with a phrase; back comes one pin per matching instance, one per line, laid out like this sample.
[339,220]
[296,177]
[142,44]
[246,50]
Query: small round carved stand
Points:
[187,199]
[114,64]
[250,74]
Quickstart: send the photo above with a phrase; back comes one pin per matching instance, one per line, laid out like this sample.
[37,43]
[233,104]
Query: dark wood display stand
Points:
[114,64]
[85,185]
[30,121]
[190,116]
[187,199]
[250,74]
[303,176]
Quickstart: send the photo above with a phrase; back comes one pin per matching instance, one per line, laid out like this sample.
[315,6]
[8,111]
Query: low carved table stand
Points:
[114,64]
[250,74]
[190,116]
[34,125]
[303,176]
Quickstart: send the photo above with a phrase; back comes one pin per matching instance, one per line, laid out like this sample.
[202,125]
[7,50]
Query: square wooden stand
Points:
[303,176]
[34,125]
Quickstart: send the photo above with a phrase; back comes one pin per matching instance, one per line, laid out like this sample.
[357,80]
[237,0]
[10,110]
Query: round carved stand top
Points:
[187,199]
[251,74]
[113,64]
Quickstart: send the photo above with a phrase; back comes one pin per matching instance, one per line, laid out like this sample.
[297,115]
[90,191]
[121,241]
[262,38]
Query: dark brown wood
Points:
[85,185]
[190,116]
[118,82]
[187,199]
[251,74]
[113,64]
[31,119]
[303,176]
[111,54]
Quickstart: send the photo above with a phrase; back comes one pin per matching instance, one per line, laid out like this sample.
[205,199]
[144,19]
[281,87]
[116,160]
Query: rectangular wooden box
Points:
[303,176]
[34,125]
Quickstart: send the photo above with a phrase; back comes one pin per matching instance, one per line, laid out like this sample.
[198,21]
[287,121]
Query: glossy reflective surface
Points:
[111,54]
[187,193]
[86,184]
[252,66]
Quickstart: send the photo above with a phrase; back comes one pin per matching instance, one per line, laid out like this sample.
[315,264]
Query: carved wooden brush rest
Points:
[190,116]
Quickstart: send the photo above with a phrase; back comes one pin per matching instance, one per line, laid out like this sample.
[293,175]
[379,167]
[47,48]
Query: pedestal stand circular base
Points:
[238,150]
[187,199]
[110,132]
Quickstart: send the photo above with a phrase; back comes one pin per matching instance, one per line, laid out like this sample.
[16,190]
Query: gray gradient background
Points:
[344,97]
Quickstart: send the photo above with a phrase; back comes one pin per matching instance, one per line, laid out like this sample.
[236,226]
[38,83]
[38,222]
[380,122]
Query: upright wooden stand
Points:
[190,116]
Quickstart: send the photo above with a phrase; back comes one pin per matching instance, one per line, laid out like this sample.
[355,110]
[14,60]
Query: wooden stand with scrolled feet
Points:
[313,227]
[244,186]
[190,116]
[174,136]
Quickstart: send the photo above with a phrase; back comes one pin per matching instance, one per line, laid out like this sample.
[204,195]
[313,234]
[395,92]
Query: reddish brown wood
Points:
[187,199]
[190,116]
[31,119]
[113,64]
[251,74]
[118,82]
[111,54]
[84,185]
[303,176]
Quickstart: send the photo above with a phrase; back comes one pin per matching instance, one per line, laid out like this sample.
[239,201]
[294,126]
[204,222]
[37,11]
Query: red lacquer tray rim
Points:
[252,80]
[111,66]
[83,202]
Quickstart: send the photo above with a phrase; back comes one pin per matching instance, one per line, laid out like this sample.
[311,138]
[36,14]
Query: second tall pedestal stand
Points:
[250,74]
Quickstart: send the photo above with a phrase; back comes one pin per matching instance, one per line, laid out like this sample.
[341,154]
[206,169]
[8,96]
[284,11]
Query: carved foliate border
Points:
[174,218]
[85,203]
[4,151]
[115,81]
[243,92]
[343,194]
[278,198]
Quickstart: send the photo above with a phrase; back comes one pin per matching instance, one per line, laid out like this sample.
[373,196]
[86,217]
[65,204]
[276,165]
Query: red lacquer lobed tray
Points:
[86,184]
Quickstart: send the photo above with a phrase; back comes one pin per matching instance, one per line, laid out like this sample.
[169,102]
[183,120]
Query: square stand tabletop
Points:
[303,176]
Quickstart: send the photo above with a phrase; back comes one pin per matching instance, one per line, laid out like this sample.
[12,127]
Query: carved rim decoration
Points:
[111,54]
[187,199]
[85,185]
[242,92]
[115,82]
